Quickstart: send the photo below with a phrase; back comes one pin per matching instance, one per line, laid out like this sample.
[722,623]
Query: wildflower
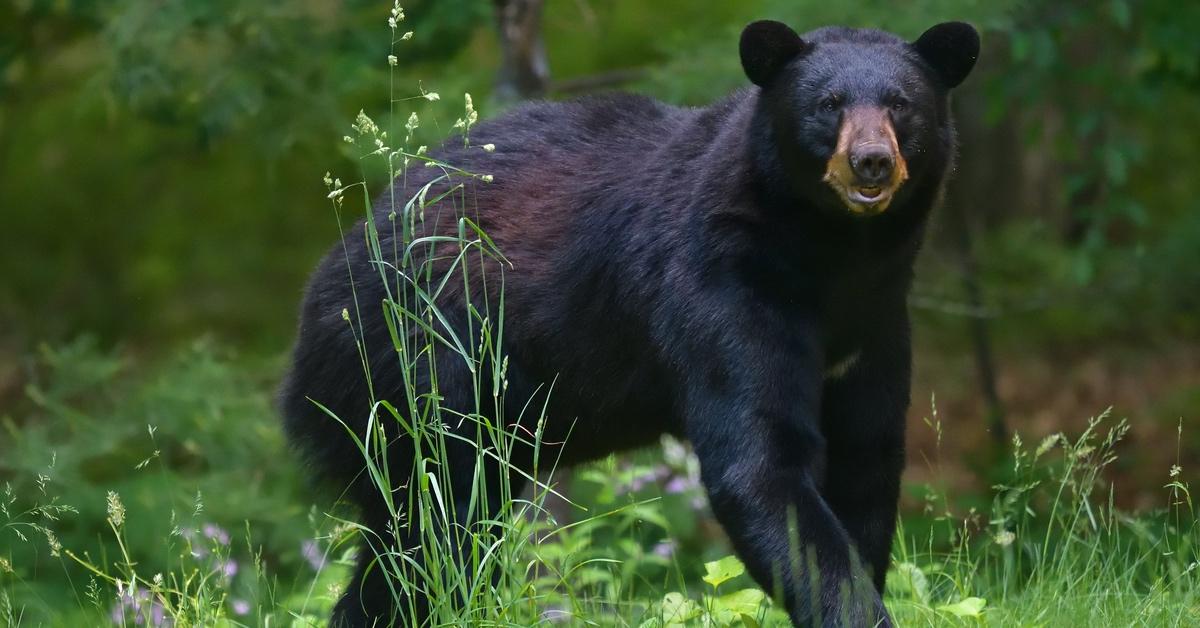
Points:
[364,124]
[431,96]
[489,148]
[1004,538]
[413,123]
[328,181]
[406,36]
[1046,444]
[311,553]
[116,510]
[678,484]
[135,606]
[665,549]
[228,568]
[158,580]
[1175,470]
[392,60]
[53,542]
[241,607]
[392,23]
[421,150]
[347,139]
[471,116]
[345,314]
[216,533]
[487,178]
[5,565]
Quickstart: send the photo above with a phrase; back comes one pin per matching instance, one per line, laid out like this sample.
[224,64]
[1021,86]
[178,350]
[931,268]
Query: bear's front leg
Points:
[863,422]
[753,418]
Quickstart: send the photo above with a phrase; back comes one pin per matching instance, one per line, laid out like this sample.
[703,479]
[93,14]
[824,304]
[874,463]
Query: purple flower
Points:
[216,533]
[312,554]
[137,606]
[228,568]
[649,476]
[678,484]
[241,607]
[665,549]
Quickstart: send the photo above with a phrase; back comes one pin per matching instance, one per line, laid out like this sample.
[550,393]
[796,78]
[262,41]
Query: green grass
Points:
[212,484]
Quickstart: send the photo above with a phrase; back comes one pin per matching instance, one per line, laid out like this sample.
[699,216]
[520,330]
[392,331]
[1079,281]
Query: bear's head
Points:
[857,119]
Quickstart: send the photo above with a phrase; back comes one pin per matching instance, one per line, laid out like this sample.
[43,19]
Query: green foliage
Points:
[78,515]
[199,486]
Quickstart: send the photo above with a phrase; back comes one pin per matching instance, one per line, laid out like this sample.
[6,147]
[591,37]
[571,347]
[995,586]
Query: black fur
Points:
[685,271]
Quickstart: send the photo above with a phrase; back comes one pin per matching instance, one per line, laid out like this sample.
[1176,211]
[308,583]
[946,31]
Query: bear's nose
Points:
[872,164]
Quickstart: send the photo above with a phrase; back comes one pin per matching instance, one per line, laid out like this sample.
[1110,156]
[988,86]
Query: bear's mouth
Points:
[866,194]
[864,200]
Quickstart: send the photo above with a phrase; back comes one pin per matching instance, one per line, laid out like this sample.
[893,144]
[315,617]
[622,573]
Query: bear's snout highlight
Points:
[867,168]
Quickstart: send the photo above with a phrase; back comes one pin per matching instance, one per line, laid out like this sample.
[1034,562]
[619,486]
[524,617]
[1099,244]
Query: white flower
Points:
[489,148]
[406,36]
[1004,538]
[392,60]
[116,510]
[431,96]
[1046,444]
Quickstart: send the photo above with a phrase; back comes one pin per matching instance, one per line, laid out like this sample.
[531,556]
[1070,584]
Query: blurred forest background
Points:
[161,189]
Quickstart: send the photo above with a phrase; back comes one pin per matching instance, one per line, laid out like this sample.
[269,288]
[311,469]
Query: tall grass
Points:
[1053,549]
[464,563]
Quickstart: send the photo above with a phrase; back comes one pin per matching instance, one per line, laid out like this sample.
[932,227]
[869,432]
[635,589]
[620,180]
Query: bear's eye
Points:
[899,105]
[831,103]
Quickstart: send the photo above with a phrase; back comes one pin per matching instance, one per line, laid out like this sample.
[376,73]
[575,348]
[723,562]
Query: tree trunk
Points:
[524,69]
[977,323]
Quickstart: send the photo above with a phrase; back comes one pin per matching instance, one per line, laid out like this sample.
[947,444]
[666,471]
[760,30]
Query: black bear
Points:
[736,274]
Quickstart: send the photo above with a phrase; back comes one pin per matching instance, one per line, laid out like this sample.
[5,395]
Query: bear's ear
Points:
[766,47]
[951,49]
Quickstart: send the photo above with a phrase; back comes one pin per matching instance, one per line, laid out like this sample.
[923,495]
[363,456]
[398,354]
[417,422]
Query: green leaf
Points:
[677,609]
[910,579]
[744,602]
[966,607]
[722,570]
[749,621]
